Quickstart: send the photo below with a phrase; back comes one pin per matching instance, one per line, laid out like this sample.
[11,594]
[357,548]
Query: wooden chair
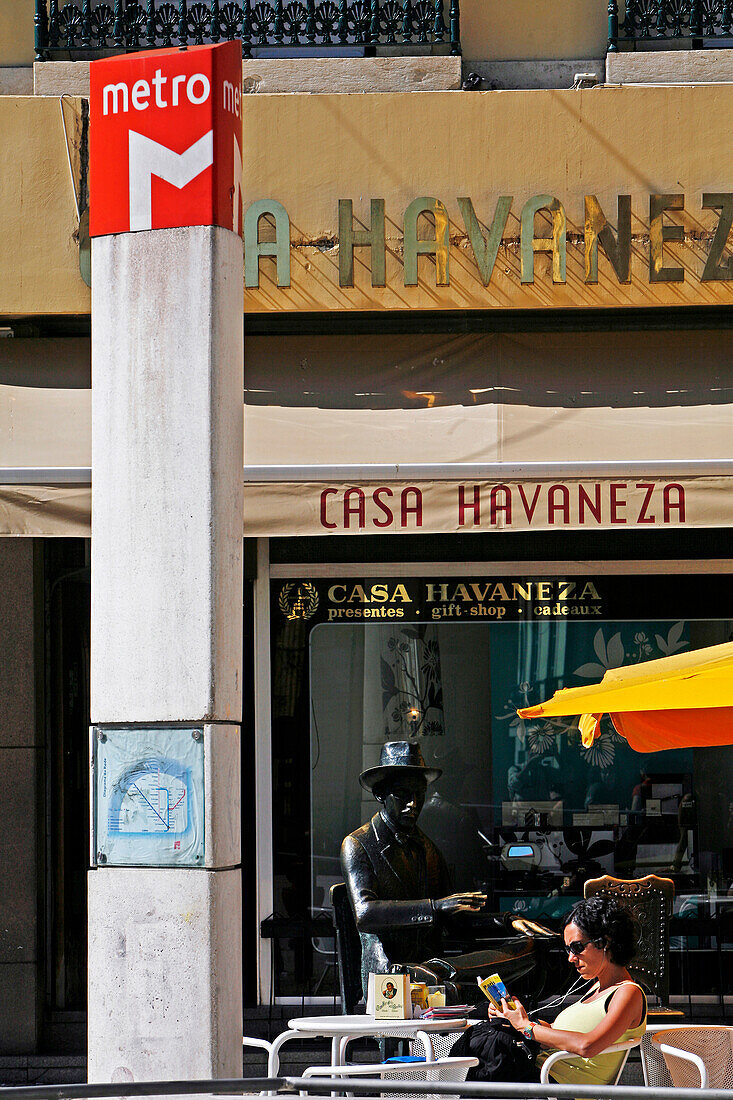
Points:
[649,901]
[348,949]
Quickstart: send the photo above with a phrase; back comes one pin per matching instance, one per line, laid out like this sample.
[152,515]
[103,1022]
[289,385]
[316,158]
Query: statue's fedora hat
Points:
[398,756]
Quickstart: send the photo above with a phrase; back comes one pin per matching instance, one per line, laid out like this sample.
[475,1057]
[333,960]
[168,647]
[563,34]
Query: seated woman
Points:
[600,940]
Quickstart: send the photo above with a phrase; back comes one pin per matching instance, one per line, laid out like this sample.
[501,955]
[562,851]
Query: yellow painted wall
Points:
[16,32]
[307,151]
[528,29]
[38,250]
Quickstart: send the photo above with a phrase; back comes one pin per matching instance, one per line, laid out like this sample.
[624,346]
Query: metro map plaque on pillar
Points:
[165,140]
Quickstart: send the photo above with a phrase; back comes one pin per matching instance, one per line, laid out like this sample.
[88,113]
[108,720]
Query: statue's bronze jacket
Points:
[391,887]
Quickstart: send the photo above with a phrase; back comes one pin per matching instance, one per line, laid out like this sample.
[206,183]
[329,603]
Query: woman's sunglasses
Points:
[577,947]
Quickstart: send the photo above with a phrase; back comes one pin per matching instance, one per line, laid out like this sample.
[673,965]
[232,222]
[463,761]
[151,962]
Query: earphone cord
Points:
[564,997]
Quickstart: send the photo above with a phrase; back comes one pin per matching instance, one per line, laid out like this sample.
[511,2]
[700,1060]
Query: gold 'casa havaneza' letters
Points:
[486,239]
[373,238]
[715,271]
[659,233]
[485,249]
[437,246]
[597,230]
[529,244]
[254,247]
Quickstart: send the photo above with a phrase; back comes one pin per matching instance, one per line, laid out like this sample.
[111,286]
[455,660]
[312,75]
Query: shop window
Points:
[522,809]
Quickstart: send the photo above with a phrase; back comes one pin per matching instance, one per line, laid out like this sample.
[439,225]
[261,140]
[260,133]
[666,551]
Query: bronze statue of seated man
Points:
[399,885]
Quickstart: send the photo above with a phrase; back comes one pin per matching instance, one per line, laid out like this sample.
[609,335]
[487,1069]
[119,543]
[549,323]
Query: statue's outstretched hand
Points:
[461,903]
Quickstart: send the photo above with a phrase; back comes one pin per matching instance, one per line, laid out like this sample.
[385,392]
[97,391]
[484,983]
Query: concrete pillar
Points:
[165,973]
[19,985]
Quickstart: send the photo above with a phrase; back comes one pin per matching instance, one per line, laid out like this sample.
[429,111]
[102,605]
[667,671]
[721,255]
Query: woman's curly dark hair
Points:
[606,924]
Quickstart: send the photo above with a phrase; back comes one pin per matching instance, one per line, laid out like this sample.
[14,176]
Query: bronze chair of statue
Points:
[348,949]
[650,901]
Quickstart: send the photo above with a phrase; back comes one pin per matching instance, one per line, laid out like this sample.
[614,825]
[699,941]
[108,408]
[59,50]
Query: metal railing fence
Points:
[702,22]
[471,1090]
[93,28]
[236,1086]
[476,1090]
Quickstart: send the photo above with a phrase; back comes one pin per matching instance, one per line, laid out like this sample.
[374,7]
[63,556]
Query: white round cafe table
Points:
[342,1029]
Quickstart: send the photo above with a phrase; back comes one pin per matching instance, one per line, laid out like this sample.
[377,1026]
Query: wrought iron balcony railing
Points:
[704,22]
[88,28]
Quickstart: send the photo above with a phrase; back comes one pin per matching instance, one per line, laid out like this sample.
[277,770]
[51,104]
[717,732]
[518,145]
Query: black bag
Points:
[503,1054]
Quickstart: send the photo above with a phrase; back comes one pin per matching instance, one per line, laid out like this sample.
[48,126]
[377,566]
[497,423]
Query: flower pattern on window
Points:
[412,685]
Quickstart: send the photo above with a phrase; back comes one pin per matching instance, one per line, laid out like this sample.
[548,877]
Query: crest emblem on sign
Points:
[298,601]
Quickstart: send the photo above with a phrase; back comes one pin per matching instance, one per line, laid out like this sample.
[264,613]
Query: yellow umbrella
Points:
[682,701]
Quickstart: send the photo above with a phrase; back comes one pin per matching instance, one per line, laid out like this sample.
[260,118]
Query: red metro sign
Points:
[165,140]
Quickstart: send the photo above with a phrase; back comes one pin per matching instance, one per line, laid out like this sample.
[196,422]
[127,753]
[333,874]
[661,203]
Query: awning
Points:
[45,502]
[683,701]
[426,433]
[421,498]
[46,511]
[465,498]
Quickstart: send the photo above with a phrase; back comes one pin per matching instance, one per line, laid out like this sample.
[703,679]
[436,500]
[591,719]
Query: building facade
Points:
[487,413]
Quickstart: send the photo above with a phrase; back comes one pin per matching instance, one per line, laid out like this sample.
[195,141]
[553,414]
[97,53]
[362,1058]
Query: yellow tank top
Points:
[584,1016]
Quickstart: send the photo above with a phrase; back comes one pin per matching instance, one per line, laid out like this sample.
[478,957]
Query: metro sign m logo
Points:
[165,140]
[149,158]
